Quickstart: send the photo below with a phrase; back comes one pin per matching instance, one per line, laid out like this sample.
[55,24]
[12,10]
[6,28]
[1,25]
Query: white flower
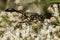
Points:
[55,7]
[2,13]
[59,19]
[2,29]
[37,38]
[57,28]
[46,22]
[0,18]
[17,1]
[20,14]
[47,39]
[24,26]
[20,8]
[28,10]
[23,33]
[56,14]
[14,13]
[14,24]
[43,32]
[54,30]
[32,35]
[50,28]
[48,36]
[52,19]
[9,14]
[50,9]
[3,23]
[56,38]
[12,19]
[47,32]
[17,31]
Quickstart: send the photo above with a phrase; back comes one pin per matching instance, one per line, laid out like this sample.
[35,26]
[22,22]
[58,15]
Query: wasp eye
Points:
[10,10]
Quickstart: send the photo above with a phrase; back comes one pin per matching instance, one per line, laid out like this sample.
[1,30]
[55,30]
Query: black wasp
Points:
[32,17]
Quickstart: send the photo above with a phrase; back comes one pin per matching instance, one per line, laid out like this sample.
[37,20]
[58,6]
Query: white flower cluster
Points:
[48,30]
[7,18]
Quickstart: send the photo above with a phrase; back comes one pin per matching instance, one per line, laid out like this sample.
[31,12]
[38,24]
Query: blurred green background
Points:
[5,3]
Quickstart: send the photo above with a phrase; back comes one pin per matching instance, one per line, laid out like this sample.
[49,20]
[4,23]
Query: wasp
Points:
[33,16]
